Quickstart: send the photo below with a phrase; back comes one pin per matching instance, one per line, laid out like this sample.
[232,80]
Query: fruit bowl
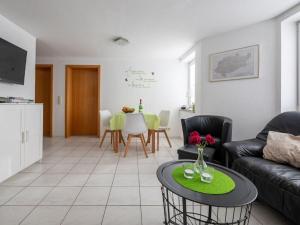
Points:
[126,109]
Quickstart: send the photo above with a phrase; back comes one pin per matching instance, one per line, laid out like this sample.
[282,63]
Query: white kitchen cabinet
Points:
[32,128]
[10,141]
[21,137]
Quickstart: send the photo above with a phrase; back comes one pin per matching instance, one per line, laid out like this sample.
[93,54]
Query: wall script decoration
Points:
[139,78]
[235,64]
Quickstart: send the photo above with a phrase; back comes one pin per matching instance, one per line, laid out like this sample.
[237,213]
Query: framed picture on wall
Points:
[241,63]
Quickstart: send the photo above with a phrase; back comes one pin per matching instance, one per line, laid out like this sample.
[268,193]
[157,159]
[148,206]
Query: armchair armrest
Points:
[226,131]
[250,147]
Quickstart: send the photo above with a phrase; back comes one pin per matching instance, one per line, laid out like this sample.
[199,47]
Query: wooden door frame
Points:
[68,77]
[49,66]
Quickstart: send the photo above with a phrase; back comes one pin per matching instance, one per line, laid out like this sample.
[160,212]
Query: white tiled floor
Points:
[77,183]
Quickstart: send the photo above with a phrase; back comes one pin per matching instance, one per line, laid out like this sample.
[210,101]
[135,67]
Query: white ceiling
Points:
[155,28]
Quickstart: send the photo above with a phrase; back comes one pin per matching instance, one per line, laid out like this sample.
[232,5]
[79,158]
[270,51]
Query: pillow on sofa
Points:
[283,148]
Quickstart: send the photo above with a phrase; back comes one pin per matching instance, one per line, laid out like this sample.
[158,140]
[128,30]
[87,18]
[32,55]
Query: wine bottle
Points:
[193,107]
[140,106]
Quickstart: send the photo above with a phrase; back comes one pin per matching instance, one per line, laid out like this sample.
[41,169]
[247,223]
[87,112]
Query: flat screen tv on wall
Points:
[12,63]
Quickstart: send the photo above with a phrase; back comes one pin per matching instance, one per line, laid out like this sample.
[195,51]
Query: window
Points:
[189,59]
[192,83]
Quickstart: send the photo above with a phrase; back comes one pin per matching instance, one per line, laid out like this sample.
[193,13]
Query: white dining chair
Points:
[164,116]
[105,116]
[135,126]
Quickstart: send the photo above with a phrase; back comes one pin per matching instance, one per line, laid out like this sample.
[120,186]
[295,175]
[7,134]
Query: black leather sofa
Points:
[218,126]
[278,185]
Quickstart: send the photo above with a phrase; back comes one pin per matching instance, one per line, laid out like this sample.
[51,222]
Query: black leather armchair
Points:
[278,184]
[218,126]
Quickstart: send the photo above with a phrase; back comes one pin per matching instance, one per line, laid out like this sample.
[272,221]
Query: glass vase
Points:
[200,165]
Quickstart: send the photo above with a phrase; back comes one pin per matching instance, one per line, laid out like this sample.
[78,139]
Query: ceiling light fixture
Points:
[121,41]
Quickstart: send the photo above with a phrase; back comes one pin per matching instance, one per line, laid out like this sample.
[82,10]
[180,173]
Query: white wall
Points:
[16,35]
[251,103]
[168,93]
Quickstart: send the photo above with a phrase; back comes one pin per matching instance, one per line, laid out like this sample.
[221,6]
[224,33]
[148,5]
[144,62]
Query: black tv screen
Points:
[12,63]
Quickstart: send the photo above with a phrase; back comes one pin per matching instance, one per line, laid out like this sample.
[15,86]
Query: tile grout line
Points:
[51,189]
[87,204]
[79,144]
[82,185]
[114,174]
[140,195]
[256,219]
[24,187]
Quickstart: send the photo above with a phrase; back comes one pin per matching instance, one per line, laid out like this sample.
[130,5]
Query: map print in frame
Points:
[242,63]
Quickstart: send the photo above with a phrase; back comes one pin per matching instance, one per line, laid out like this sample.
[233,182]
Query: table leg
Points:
[113,140]
[157,141]
[119,137]
[153,140]
[184,215]
[209,215]
[117,133]
[164,205]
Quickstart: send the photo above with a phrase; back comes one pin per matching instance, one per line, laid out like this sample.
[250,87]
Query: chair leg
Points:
[111,137]
[144,140]
[101,142]
[148,137]
[168,138]
[144,145]
[157,141]
[127,145]
[122,139]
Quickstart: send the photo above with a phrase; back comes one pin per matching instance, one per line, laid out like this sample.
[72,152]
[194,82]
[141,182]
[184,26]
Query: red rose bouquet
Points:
[200,143]
[195,139]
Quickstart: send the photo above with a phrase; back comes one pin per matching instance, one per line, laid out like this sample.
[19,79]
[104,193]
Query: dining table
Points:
[117,123]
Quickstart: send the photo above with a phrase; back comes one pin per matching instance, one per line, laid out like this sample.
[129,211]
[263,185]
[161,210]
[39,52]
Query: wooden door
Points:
[43,94]
[82,100]
[68,102]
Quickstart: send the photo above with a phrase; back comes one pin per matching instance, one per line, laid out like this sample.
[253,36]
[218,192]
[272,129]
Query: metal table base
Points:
[180,211]
[185,207]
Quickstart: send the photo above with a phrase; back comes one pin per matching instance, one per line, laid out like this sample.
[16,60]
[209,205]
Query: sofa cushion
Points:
[191,152]
[283,148]
[271,173]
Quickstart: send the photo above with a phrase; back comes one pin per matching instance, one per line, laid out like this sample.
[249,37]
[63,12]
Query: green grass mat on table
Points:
[220,184]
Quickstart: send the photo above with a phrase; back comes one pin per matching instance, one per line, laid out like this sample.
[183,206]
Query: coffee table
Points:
[184,206]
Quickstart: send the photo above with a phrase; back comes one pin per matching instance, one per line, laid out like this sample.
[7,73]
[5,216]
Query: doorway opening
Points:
[82,100]
[44,94]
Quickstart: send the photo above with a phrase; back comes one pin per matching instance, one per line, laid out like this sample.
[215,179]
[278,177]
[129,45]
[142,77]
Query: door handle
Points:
[27,136]
[23,137]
